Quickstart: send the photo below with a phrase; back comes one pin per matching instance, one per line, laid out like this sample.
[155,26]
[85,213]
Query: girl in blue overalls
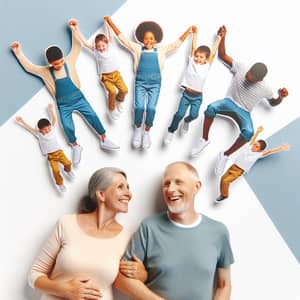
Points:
[148,64]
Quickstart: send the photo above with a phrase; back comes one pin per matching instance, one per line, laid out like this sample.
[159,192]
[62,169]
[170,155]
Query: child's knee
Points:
[210,111]
[247,133]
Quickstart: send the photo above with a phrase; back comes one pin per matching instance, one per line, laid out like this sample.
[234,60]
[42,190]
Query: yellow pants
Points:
[230,175]
[58,157]
[116,88]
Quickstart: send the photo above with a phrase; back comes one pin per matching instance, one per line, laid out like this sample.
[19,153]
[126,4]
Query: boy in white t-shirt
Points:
[244,162]
[50,146]
[193,82]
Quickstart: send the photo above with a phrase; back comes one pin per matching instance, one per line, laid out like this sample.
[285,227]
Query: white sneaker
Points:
[113,114]
[62,188]
[202,143]
[137,137]
[184,128]
[168,138]
[146,140]
[107,144]
[120,106]
[221,163]
[76,155]
[71,174]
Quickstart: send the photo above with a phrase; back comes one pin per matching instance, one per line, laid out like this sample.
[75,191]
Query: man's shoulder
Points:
[154,220]
[214,225]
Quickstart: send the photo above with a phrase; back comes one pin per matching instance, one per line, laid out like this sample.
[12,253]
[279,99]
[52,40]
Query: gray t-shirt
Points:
[244,94]
[181,262]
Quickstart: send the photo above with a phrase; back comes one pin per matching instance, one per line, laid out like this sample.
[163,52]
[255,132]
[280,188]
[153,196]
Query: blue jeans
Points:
[228,108]
[143,91]
[186,100]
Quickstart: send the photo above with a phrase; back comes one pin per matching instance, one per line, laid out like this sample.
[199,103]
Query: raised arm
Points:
[223,284]
[16,48]
[186,33]
[255,135]
[134,288]
[282,93]
[194,39]
[76,42]
[111,24]
[283,147]
[52,114]
[74,25]
[214,49]
[25,125]
[222,50]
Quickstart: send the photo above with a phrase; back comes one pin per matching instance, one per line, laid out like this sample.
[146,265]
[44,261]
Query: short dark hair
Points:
[53,53]
[259,71]
[43,123]
[203,49]
[101,37]
[263,144]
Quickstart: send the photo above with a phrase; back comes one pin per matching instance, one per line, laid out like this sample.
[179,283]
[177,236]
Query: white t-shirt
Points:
[244,94]
[247,158]
[195,75]
[48,142]
[106,62]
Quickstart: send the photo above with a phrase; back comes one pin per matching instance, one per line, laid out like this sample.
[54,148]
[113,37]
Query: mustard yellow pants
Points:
[230,175]
[58,157]
[115,86]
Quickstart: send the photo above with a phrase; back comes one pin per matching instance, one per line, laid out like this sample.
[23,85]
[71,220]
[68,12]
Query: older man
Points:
[186,254]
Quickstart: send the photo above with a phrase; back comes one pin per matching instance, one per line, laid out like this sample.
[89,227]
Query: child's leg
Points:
[110,88]
[67,123]
[139,103]
[52,158]
[178,116]
[153,94]
[230,175]
[62,158]
[195,102]
[121,86]
[85,109]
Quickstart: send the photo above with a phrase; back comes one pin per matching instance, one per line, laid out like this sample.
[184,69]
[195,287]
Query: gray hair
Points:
[100,180]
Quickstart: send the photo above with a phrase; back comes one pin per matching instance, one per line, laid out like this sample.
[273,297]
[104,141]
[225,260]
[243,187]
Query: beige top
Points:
[136,50]
[69,251]
[44,71]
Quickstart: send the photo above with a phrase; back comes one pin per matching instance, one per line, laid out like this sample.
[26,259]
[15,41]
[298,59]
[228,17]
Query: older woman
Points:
[80,259]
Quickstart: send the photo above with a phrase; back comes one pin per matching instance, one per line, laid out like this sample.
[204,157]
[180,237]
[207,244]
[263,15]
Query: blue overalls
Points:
[147,85]
[69,98]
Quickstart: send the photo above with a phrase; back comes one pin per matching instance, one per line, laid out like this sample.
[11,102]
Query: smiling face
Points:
[45,129]
[256,147]
[180,186]
[57,64]
[149,40]
[117,196]
[200,58]
[101,46]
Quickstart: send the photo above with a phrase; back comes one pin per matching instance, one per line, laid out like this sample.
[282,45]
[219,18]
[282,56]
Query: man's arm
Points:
[134,288]
[283,147]
[25,125]
[52,114]
[223,284]
[282,93]
[255,135]
[222,49]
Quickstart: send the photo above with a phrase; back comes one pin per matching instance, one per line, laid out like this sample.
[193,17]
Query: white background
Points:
[264,267]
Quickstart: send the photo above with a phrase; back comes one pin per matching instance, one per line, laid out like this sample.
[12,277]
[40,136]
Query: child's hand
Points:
[106,18]
[16,47]
[285,147]
[283,92]
[73,23]
[194,29]
[19,119]
[222,31]
[259,129]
